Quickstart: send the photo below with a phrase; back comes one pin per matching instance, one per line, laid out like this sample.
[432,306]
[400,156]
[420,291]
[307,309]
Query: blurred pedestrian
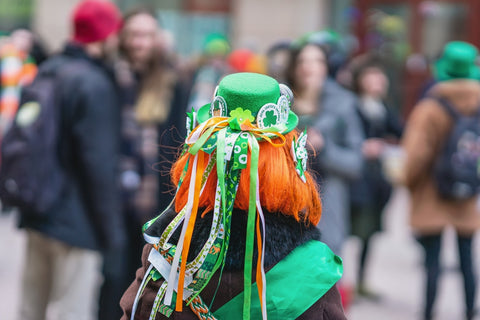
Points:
[381,127]
[457,94]
[246,60]
[211,69]
[17,69]
[249,132]
[152,106]
[278,56]
[31,44]
[63,261]
[159,104]
[335,136]
[334,133]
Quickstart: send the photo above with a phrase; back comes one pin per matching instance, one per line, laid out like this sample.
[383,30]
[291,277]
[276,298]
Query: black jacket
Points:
[283,234]
[88,213]
[372,188]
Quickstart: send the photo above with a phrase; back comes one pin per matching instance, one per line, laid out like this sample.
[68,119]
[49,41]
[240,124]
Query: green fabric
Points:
[249,91]
[293,285]
[458,61]
[250,236]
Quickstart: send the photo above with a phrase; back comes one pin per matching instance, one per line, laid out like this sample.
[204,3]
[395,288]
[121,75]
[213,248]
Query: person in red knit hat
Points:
[95,21]
[63,262]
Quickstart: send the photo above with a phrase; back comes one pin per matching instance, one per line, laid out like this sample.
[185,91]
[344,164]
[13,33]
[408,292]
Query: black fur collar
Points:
[283,234]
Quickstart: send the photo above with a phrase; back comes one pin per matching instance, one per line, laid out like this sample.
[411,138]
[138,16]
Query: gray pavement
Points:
[394,271]
[12,243]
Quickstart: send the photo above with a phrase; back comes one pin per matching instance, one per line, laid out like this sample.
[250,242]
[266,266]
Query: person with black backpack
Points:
[442,168]
[59,166]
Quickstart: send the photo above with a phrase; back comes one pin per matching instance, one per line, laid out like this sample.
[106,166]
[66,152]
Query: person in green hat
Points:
[240,239]
[457,62]
[211,67]
[455,96]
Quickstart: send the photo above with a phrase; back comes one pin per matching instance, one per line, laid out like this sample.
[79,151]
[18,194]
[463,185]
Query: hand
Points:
[372,148]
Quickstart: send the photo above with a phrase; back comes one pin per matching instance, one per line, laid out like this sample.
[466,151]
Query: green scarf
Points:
[293,285]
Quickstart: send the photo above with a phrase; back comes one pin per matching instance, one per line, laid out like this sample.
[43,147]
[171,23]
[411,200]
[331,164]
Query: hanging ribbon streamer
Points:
[229,144]
[261,278]
[173,272]
[189,232]
[254,148]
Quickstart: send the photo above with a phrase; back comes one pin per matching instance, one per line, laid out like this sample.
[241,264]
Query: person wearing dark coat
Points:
[327,112]
[63,261]
[240,240]
[152,107]
[371,192]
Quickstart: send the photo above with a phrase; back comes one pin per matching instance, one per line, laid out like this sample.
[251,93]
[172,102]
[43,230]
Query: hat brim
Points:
[203,114]
[441,74]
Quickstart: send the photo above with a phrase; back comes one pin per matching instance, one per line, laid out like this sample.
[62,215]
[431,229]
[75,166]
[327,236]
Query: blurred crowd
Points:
[125,122]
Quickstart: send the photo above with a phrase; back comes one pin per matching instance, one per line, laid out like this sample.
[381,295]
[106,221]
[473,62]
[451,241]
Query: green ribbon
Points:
[203,138]
[228,184]
[250,238]
[294,284]
[240,151]
[221,165]
[234,124]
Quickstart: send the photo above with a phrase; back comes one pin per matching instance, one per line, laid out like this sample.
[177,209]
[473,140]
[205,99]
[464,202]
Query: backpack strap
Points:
[447,106]
[451,110]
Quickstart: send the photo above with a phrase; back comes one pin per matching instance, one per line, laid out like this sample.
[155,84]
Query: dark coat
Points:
[283,234]
[171,135]
[88,213]
[372,189]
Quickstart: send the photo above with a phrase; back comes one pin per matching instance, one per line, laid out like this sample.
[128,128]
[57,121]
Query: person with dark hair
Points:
[278,56]
[381,126]
[327,111]
[211,67]
[335,135]
[152,106]
[240,240]
[454,97]
[63,257]
[157,103]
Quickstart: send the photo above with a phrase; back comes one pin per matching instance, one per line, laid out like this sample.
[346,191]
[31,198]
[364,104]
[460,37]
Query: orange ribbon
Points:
[189,232]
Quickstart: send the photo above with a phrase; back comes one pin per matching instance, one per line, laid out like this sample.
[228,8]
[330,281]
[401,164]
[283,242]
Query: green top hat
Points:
[254,97]
[457,62]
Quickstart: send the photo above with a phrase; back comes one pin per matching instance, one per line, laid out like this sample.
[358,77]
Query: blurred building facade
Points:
[249,23]
[411,35]
[408,33]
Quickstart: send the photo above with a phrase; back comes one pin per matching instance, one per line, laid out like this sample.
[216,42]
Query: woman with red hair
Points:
[240,239]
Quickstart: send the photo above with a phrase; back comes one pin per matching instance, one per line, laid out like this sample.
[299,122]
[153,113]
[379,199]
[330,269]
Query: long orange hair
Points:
[281,189]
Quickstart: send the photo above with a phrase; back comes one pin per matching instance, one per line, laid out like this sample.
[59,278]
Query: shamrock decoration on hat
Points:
[259,98]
